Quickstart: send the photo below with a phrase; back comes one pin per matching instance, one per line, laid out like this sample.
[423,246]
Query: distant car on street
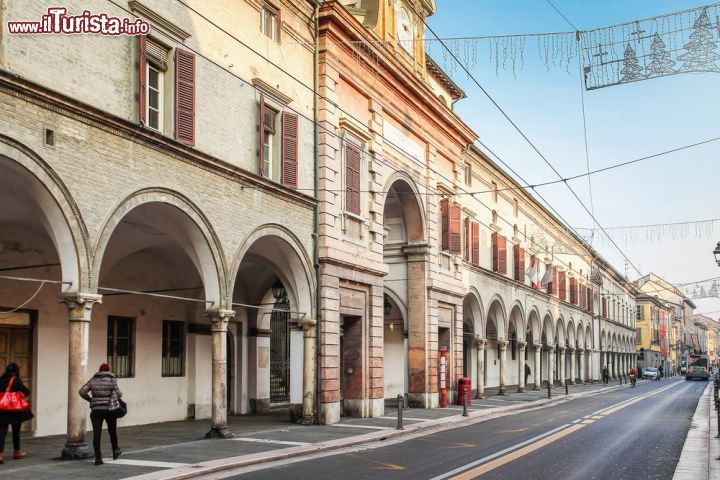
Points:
[650,373]
[697,368]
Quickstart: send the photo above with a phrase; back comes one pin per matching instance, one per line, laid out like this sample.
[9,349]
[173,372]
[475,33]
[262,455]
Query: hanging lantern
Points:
[387,306]
[278,290]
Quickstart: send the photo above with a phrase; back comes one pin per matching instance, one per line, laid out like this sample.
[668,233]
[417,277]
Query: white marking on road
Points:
[500,453]
[267,440]
[349,425]
[414,419]
[144,463]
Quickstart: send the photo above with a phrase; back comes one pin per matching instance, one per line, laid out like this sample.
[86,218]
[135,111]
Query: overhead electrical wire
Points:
[532,145]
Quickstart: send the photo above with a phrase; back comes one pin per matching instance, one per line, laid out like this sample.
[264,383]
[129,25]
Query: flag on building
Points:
[547,278]
[533,274]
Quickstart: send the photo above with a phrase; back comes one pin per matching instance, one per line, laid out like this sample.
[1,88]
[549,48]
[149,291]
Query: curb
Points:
[439,424]
[695,456]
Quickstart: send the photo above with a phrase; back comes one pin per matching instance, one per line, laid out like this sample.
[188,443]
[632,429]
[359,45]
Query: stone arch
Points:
[60,213]
[190,229]
[472,304]
[517,316]
[560,331]
[572,342]
[533,323]
[496,314]
[549,328]
[293,262]
[408,197]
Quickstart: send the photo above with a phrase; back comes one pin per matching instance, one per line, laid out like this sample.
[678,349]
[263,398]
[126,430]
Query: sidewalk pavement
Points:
[700,457]
[179,450]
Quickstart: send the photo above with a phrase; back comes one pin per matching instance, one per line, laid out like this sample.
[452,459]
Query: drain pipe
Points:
[316,227]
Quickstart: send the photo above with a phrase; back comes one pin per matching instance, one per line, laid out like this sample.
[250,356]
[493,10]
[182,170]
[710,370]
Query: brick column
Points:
[219,320]
[422,383]
[521,366]
[79,315]
[536,372]
[502,345]
[480,342]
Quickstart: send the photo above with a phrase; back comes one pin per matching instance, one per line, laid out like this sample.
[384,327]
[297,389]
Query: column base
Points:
[502,390]
[536,387]
[219,432]
[307,420]
[75,451]
[571,382]
[521,390]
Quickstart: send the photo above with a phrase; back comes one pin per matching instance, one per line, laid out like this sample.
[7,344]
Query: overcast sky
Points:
[624,122]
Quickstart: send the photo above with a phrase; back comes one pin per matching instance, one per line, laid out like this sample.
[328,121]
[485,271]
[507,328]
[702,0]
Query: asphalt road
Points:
[630,433]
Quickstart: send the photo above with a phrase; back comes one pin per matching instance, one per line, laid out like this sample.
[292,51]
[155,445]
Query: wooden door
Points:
[16,346]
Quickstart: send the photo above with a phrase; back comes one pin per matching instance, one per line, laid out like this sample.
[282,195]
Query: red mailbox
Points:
[464,388]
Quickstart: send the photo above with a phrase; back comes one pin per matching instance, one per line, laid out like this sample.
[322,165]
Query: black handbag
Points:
[122,410]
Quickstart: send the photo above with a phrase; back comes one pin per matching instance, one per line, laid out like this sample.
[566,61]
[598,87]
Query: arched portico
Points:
[474,342]
[496,343]
[157,241]
[534,346]
[276,366]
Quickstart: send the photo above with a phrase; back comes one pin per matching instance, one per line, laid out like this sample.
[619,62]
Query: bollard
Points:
[548,385]
[464,394]
[718,420]
[566,386]
[400,412]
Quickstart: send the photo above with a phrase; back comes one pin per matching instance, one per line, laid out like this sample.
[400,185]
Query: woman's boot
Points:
[98,458]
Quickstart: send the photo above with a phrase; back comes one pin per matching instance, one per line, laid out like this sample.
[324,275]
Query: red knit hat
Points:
[104,367]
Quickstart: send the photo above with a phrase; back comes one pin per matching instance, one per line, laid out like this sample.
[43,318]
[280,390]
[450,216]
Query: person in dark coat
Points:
[104,396]
[605,375]
[527,372]
[12,372]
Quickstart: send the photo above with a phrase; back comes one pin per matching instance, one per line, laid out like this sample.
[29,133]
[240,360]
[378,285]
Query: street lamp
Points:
[387,306]
[716,252]
[278,290]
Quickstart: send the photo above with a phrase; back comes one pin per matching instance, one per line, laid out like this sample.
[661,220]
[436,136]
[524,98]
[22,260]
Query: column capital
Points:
[479,341]
[562,348]
[551,348]
[80,305]
[502,344]
[571,349]
[416,252]
[538,346]
[306,323]
[219,318]
[522,345]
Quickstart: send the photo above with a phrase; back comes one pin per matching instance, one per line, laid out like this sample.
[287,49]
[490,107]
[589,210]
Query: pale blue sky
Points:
[624,122]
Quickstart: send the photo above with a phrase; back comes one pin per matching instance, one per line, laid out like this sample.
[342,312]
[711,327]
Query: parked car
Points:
[651,373]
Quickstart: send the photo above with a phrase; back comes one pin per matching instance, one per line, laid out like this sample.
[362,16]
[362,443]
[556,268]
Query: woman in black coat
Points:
[12,418]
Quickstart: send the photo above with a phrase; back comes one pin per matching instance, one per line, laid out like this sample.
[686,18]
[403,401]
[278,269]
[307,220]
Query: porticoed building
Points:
[426,245]
[162,187]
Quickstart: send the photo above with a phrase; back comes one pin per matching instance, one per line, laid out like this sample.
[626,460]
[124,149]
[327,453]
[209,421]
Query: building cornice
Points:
[51,100]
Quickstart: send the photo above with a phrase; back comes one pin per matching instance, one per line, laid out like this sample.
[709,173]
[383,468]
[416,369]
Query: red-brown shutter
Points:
[142,80]
[445,214]
[290,152]
[604,307]
[476,243]
[562,287]
[553,285]
[468,240]
[573,291]
[352,179]
[590,299]
[261,126]
[185,97]
[495,255]
[502,255]
[519,263]
[455,229]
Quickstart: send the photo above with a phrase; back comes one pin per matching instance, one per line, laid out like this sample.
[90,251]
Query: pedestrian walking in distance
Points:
[10,384]
[527,372]
[104,396]
[661,372]
[605,375]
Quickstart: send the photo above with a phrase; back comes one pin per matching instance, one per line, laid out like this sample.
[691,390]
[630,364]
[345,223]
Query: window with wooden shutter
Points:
[499,247]
[573,291]
[468,239]
[552,288]
[604,307]
[445,215]
[352,179]
[185,97]
[590,297]
[290,150]
[261,135]
[476,243]
[455,229]
[519,263]
[562,292]
[142,80]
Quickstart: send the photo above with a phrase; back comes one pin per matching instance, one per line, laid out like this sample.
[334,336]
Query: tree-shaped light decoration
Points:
[701,55]
[660,62]
[631,67]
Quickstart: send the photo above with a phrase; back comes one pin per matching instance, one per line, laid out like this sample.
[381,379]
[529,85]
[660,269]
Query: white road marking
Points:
[415,419]
[267,440]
